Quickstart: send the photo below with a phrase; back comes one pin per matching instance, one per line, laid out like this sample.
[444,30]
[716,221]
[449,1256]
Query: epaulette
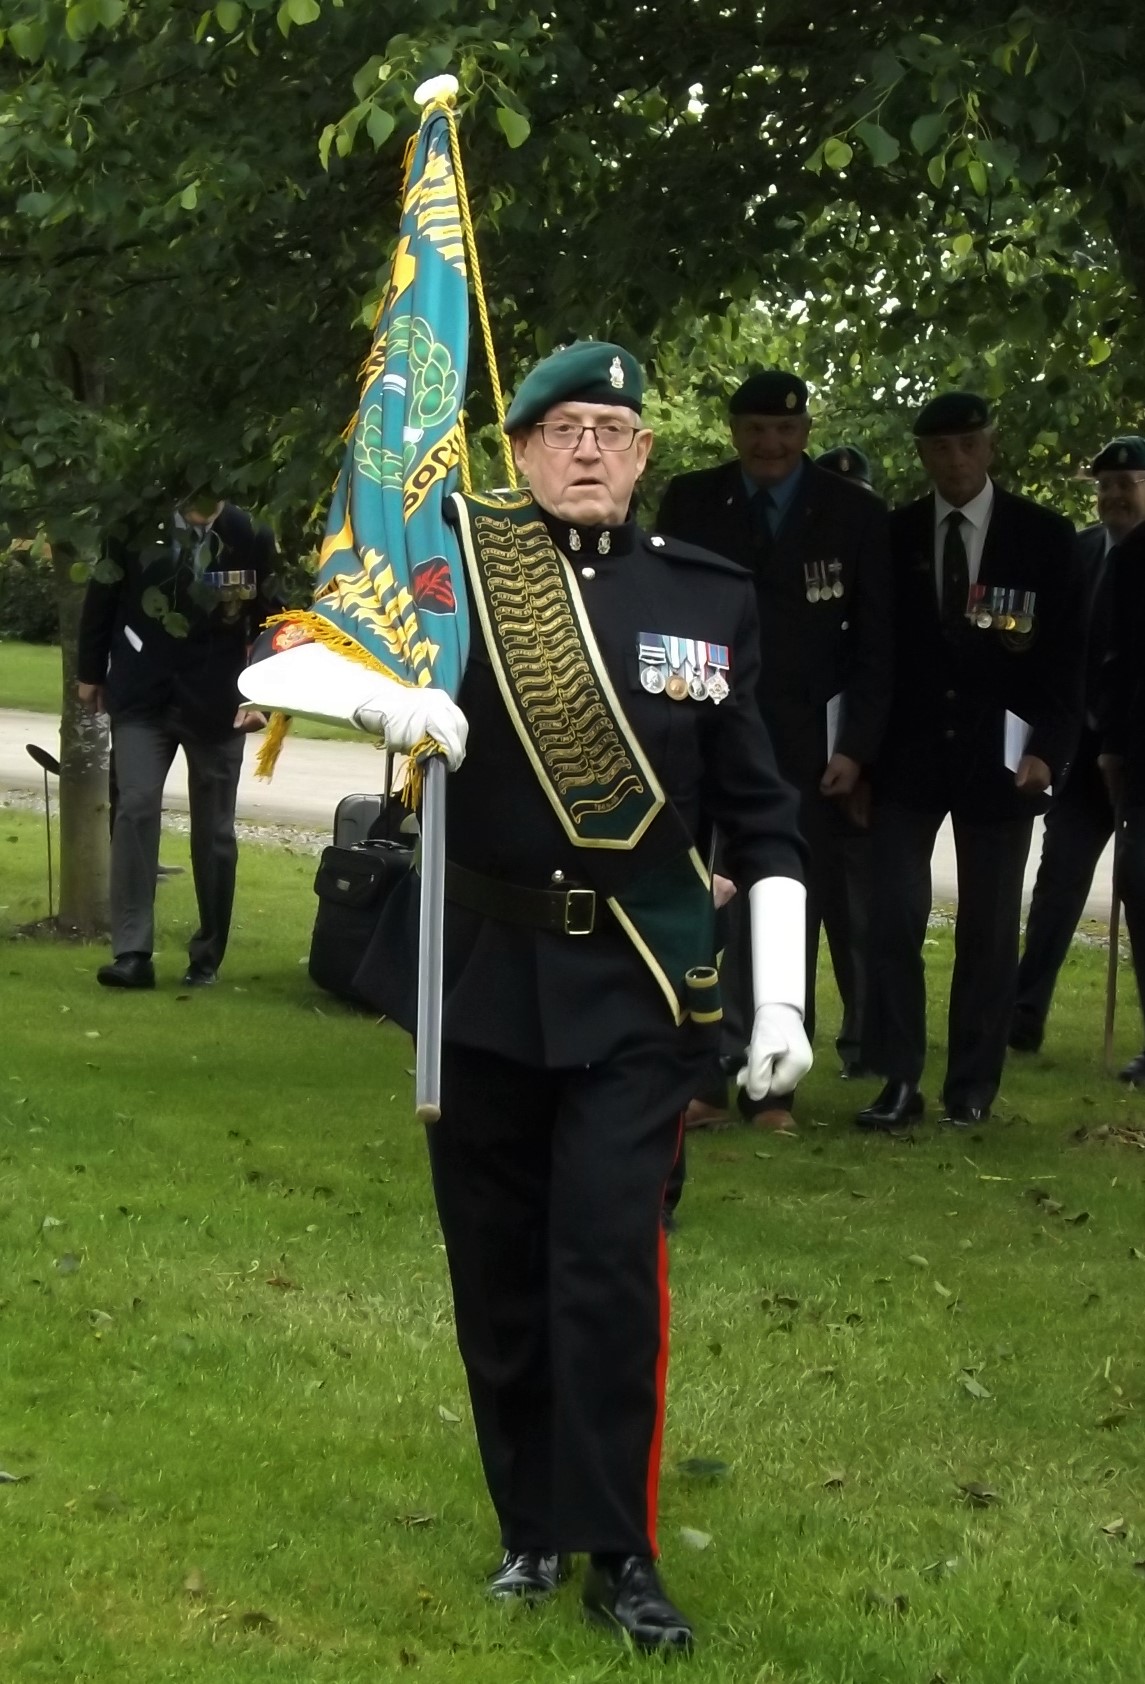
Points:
[674,549]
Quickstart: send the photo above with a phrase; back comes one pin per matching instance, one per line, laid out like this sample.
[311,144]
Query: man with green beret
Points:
[1122,761]
[983,720]
[1080,820]
[816,547]
[605,726]
[849,461]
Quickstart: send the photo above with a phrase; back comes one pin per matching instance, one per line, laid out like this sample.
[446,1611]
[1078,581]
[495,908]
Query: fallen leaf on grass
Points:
[1139,1566]
[195,1584]
[940,1568]
[1136,1254]
[835,1481]
[12,1479]
[255,1620]
[695,1540]
[283,1285]
[68,1263]
[919,1261]
[1115,1418]
[703,1467]
[979,1496]
[942,1291]
[877,1601]
[1078,1217]
[407,1657]
[51,1222]
[100,1319]
[975,1387]
[1116,1529]
[447,1415]
[416,1519]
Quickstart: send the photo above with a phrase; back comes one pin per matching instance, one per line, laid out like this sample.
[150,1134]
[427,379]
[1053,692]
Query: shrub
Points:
[28,612]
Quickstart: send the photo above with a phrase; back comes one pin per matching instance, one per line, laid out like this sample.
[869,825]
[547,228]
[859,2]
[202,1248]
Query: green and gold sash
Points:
[587,759]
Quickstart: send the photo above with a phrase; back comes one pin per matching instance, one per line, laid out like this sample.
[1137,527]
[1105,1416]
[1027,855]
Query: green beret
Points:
[588,371]
[770,392]
[952,412]
[1126,452]
[845,459]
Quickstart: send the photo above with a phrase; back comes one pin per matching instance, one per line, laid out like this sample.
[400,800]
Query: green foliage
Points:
[28,610]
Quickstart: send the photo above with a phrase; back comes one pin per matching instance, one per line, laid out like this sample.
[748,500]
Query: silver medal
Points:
[653,680]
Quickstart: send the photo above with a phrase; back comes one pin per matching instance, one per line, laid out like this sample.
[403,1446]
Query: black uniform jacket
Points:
[145,667]
[945,740]
[811,651]
[557,1001]
[1123,691]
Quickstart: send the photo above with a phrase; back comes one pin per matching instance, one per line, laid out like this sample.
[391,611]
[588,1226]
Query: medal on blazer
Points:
[683,667]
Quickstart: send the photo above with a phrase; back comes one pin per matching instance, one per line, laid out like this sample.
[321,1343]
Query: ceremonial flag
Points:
[390,591]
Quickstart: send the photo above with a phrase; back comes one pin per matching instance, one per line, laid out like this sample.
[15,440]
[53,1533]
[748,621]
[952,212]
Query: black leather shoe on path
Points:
[899,1104]
[199,976]
[130,970]
[531,1574]
[625,1593]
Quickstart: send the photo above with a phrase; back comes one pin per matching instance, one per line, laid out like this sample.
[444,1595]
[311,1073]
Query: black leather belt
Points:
[571,911]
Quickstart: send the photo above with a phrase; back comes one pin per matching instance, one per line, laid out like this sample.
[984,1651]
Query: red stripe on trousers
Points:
[653,1488]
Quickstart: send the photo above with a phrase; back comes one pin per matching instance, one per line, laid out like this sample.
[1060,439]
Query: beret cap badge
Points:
[616,373]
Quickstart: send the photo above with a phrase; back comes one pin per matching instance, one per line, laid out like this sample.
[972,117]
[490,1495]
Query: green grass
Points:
[226,1346]
[30,678]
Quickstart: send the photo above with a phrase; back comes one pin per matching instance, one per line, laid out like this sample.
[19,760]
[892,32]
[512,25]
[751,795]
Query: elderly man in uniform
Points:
[849,462]
[609,704]
[1080,820]
[983,721]
[1122,760]
[816,548]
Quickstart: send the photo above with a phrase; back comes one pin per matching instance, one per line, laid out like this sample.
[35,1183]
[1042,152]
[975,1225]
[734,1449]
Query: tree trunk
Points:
[84,805]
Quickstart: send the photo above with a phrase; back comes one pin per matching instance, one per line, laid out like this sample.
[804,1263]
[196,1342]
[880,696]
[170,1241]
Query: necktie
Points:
[955,572]
[762,509]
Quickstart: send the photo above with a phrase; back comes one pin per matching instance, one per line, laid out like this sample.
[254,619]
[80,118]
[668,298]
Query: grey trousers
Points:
[144,748]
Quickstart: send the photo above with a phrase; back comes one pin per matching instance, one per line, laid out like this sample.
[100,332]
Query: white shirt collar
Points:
[977,511]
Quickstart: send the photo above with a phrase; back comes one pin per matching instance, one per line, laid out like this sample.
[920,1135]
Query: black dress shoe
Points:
[199,976]
[1027,1031]
[965,1116]
[1133,1074]
[130,970]
[898,1104]
[625,1592]
[530,1574]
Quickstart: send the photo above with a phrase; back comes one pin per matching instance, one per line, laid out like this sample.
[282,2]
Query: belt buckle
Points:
[580,912]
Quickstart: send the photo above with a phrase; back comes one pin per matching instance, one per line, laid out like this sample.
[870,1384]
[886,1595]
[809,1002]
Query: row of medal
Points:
[680,667]
[995,608]
[823,580]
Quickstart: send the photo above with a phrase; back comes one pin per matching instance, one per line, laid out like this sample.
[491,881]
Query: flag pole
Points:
[430,930]
[1114,948]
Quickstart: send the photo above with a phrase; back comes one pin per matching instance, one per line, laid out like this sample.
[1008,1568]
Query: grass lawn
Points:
[30,678]
[229,1388]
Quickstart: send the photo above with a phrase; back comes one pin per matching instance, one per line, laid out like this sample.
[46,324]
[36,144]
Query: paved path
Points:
[313,776]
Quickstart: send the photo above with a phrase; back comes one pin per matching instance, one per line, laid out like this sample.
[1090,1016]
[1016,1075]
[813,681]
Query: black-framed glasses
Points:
[566,435]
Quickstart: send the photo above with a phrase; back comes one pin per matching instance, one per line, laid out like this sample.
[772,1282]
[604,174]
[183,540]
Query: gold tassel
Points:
[271,746]
[415,765]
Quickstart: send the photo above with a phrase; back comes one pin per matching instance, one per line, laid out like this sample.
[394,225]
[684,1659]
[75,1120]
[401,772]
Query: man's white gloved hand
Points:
[779,1053]
[402,716]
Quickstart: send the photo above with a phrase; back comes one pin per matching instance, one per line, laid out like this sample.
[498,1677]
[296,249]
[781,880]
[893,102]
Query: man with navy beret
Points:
[606,725]
[815,543]
[1080,819]
[983,721]
[850,462]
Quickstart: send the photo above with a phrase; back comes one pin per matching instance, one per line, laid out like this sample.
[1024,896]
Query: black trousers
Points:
[144,749]
[1078,826]
[838,895]
[1131,887]
[549,1187]
[991,864]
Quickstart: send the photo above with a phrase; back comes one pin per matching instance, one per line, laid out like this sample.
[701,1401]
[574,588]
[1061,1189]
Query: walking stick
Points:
[47,763]
[1114,946]
[428,1059]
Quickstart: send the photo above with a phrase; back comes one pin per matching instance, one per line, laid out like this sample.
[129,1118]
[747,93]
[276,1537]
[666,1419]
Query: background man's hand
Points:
[841,775]
[91,697]
[1033,776]
[250,719]
[857,806]
[722,889]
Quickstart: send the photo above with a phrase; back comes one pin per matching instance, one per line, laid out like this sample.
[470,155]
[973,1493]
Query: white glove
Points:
[778,1054]
[402,716]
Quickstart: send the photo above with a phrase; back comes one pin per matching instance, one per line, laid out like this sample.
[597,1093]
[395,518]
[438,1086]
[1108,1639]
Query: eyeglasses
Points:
[566,435]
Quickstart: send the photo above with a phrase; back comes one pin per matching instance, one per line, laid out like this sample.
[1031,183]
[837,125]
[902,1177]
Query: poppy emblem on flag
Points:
[432,587]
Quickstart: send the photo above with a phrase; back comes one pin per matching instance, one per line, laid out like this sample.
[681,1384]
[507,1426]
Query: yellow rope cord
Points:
[271,746]
[479,291]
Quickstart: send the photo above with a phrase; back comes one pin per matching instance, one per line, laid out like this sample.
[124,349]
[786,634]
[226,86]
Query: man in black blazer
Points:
[1080,819]
[816,547]
[167,619]
[984,718]
[1122,761]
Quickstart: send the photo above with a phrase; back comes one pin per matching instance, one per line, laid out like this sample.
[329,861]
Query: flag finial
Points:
[438,87]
